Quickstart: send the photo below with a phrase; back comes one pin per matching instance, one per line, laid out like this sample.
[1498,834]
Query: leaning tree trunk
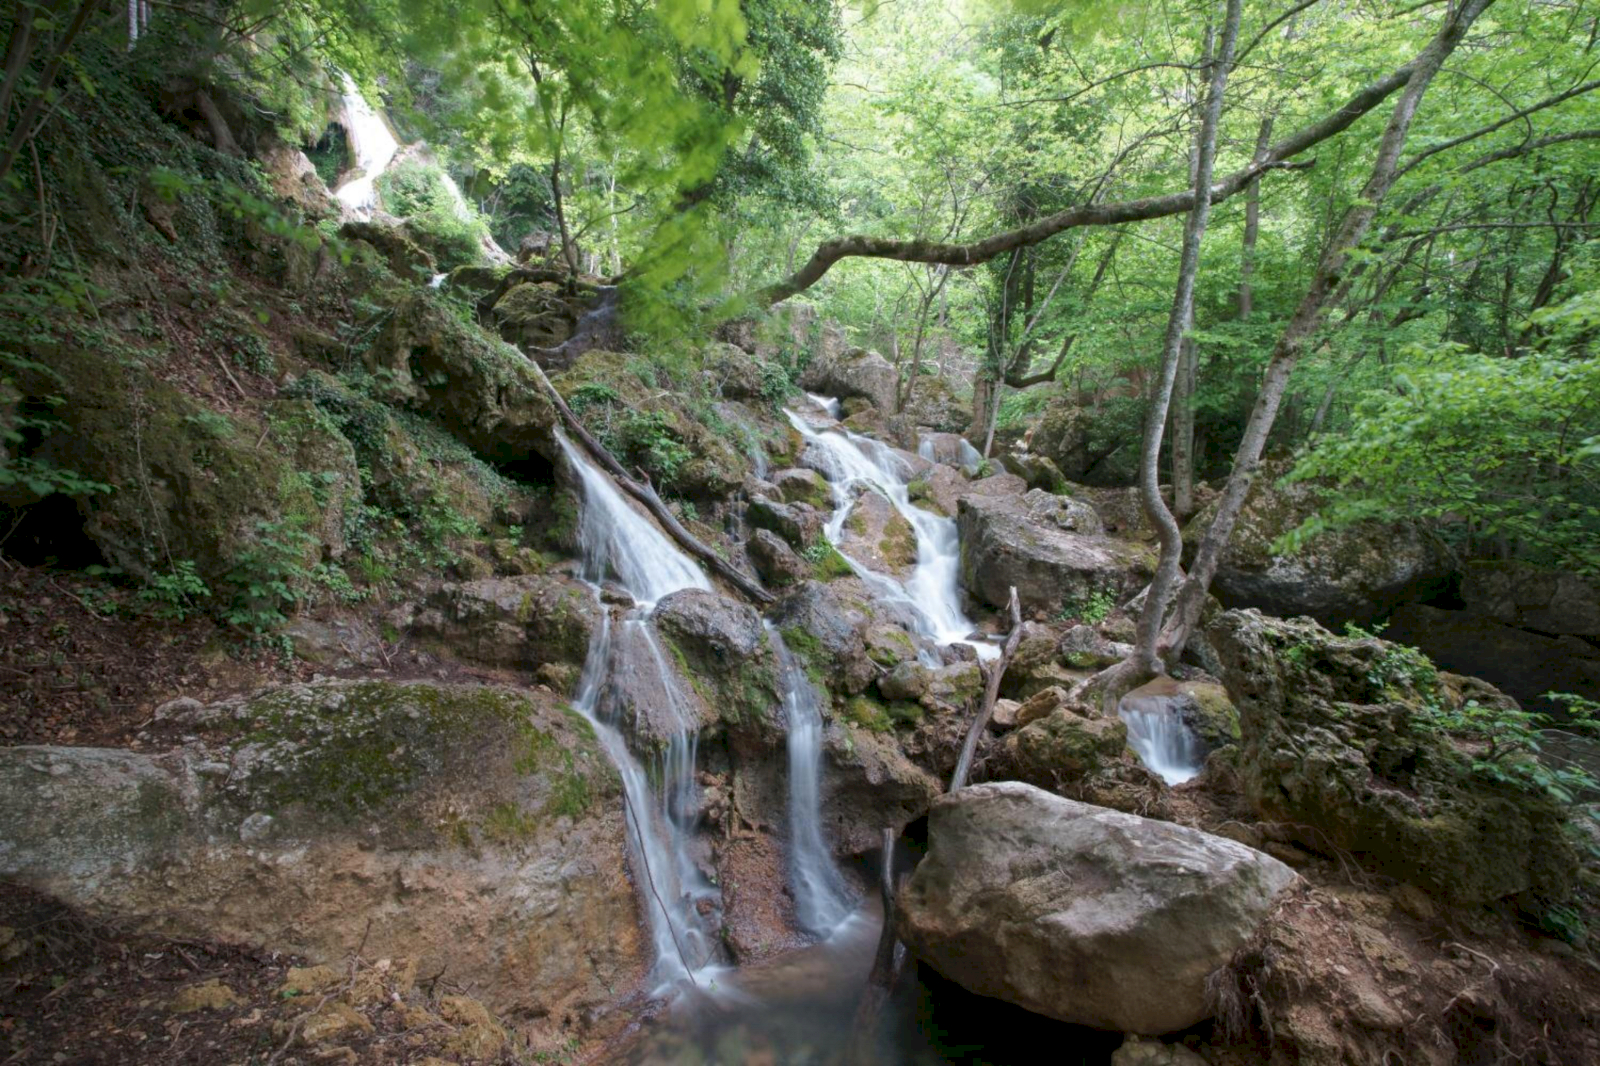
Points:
[1307,316]
[1144,662]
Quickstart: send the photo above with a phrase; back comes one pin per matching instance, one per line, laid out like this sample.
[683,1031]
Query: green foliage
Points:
[267,579]
[450,229]
[826,562]
[176,594]
[1092,609]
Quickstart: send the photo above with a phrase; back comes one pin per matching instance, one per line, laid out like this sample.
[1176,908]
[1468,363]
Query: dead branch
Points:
[991,692]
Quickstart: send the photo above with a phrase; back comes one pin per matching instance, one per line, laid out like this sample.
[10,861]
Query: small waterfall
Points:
[617,540]
[1158,735]
[822,899]
[933,590]
[372,143]
[830,404]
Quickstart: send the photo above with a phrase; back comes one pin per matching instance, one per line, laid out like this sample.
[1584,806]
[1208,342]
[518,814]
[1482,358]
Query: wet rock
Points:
[823,626]
[936,405]
[1005,543]
[1040,705]
[776,563]
[466,826]
[1203,707]
[1083,914]
[857,373]
[724,645]
[878,536]
[798,485]
[1344,742]
[798,523]
[1037,665]
[1035,469]
[948,449]
[1349,574]
[867,783]
[1062,747]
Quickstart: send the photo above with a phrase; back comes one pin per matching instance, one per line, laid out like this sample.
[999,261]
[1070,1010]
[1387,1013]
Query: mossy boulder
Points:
[878,536]
[403,255]
[799,485]
[526,622]
[1347,742]
[187,482]
[535,316]
[308,818]
[481,391]
[1351,574]
[1059,749]
[723,647]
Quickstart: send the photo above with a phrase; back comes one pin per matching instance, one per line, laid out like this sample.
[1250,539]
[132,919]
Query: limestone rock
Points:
[521,622]
[1063,747]
[536,317]
[779,565]
[878,536]
[823,625]
[949,449]
[403,255]
[482,391]
[1338,576]
[1202,706]
[1342,743]
[856,373]
[1079,913]
[1004,542]
[472,826]
[1530,597]
[798,485]
[798,523]
[724,645]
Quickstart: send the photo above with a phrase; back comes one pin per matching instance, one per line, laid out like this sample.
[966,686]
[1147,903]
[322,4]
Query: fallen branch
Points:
[645,493]
[991,692]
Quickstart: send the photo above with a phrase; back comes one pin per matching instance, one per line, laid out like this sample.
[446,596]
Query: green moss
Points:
[899,543]
[506,824]
[869,714]
[905,714]
[826,562]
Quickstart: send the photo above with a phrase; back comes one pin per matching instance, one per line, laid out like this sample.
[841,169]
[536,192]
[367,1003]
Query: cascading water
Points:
[822,899]
[1158,735]
[617,541]
[372,143]
[933,591]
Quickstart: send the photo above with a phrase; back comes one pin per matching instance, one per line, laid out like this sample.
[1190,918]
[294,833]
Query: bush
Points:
[417,192]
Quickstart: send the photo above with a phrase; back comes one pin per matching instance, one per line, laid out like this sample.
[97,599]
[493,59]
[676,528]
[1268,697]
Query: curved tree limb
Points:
[1277,157]
[991,692]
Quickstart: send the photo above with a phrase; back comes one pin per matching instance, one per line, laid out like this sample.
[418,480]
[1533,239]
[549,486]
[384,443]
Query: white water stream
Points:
[1162,741]
[618,542]
[822,900]
[372,143]
[933,591]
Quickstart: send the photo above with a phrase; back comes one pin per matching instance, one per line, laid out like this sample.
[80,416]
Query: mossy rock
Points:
[187,482]
[480,390]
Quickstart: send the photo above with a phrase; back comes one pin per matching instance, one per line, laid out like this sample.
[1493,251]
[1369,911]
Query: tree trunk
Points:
[1183,431]
[24,129]
[1307,316]
[1252,221]
[1144,661]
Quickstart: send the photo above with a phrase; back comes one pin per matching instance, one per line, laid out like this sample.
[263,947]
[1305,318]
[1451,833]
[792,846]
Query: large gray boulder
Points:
[1080,913]
[1050,548]
[474,828]
[1531,597]
[1338,576]
[859,372]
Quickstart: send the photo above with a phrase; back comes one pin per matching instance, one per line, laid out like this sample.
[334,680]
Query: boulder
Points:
[404,256]
[723,645]
[1524,664]
[1347,743]
[1202,706]
[474,828]
[1058,745]
[867,783]
[858,372]
[1035,469]
[1552,602]
[798,523]
[1083,914]
[777,563]
[1352,574]
[1005,542]
[537,317]
[951,449]
[878,536]
[522,622]
[482,391]
[935,404]
[823,625]
[1095,445]
[1063,512]
[798,485]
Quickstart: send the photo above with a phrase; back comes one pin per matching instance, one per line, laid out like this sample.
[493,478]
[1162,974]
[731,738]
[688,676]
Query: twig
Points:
[231,379]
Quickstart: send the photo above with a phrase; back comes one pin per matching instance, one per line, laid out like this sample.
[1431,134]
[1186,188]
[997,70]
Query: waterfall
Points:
[822,899]
[617,540]
[373,145]
[933,591]
[1159,737]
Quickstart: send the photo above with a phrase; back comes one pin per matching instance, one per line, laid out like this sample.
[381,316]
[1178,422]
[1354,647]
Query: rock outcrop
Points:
[1337,576]
[1080,913]
[1049,548]
[857,373]
[1348,743]
[470,827]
